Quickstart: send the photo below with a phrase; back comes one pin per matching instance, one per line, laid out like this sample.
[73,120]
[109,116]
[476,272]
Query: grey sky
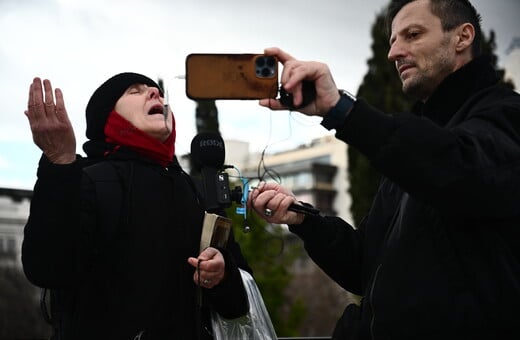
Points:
[77,44]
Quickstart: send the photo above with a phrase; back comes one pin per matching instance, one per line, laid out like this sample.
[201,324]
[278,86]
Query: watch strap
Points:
[336,115]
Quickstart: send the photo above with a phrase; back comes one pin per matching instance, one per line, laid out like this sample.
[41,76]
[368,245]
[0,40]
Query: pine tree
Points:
[206,116]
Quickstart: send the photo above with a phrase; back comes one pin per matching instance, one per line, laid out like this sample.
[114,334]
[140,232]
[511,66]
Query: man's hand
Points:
[293,73]
[271,202]
[50,125]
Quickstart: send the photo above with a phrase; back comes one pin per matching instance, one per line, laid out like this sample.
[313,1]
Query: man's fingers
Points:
[292,76]
[262,199]
[273,104]
[279,53]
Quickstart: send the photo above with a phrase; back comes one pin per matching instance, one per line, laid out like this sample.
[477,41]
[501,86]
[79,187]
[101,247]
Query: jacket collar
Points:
[100,150]
[456,89]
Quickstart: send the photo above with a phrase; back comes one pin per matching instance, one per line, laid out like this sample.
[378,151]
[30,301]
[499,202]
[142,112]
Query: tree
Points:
[206,116]
[381,87]
[489,46]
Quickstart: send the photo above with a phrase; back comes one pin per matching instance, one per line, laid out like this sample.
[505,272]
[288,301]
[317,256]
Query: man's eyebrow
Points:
[405,30]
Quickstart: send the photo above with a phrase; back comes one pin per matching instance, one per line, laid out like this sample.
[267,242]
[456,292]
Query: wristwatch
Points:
[336,116]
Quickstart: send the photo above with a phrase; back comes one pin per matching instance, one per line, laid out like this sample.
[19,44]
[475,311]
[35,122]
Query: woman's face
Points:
[143,106]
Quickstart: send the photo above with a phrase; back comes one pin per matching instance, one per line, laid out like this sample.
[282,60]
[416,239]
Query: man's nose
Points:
[396,51]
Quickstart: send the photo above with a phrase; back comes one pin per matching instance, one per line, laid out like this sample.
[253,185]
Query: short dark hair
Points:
[452,13]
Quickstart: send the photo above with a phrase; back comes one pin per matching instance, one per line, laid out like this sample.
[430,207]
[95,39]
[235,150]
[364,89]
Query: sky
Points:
[78,44]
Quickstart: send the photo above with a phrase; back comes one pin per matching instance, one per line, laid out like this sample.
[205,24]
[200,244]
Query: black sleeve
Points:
[229,298]
[234,249]
[468,168]
[336,247]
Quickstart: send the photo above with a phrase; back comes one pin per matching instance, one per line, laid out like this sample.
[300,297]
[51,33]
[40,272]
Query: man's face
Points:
[423,53]
[143,106]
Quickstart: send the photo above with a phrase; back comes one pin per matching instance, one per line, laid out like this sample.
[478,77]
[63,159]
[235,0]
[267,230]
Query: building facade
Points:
[14,211]
[316,172]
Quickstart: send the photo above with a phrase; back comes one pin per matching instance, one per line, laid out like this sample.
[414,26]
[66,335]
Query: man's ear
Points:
[465,37]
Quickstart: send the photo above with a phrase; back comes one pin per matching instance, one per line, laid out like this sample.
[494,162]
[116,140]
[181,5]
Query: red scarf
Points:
[121,132]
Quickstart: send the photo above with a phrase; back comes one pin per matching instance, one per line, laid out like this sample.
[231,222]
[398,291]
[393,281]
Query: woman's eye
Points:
[135,90]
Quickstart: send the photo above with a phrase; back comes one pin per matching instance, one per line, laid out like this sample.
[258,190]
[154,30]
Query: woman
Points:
[116,235]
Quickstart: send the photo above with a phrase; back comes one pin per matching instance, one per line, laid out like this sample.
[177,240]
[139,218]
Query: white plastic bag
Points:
[255,325]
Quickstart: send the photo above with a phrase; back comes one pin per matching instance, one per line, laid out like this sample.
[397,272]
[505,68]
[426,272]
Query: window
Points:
[7,247]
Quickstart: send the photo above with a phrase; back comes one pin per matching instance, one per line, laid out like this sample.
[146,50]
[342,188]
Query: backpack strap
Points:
[109,198]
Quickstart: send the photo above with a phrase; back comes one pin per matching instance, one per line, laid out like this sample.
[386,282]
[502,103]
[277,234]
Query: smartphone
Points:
[231,76]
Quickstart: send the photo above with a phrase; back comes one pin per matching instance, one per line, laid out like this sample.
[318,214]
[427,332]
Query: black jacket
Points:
[438,255]
[139,279]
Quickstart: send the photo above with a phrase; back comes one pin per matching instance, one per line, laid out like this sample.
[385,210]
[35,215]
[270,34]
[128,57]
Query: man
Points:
[438,255]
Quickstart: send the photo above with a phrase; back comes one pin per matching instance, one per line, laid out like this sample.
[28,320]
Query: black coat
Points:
[438,255]
[138,280]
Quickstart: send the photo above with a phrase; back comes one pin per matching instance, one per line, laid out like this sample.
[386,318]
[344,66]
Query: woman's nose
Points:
[153,92]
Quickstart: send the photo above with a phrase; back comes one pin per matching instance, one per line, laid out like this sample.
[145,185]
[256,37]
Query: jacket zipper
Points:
[372,322]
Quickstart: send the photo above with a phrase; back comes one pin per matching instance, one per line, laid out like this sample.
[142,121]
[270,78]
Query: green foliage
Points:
[489,46]
[293,319]
[381,87]
[270,258]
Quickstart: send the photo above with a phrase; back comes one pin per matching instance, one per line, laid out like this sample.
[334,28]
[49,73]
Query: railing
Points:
[307,338]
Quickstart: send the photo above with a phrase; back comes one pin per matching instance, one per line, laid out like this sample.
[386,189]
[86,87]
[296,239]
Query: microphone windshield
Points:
[208,150]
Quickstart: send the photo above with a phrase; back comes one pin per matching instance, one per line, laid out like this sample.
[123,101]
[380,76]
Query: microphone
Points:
[208,150]
[208,154]
[303,209]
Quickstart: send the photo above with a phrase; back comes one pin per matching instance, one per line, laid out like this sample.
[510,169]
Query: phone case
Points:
[231,76]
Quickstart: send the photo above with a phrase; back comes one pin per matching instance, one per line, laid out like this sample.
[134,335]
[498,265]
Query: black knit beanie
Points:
[105,97]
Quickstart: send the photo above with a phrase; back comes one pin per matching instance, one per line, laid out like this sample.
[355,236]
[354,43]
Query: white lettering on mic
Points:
[211,142]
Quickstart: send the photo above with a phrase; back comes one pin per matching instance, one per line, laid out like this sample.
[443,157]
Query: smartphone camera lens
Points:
[267,72]
[260,62]
[265,66]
